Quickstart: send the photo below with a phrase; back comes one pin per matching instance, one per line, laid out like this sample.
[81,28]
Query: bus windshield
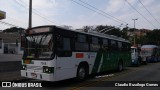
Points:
[39,46]
[133,50]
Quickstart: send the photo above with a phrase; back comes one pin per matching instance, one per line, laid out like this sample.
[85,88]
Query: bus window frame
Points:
[64,53]
[86,42]
[97,43]
[53,48]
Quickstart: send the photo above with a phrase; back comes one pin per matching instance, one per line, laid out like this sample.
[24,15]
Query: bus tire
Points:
[120,66]
[138,63]
[81,73]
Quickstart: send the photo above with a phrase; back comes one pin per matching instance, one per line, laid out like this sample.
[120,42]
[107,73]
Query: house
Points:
[138,33]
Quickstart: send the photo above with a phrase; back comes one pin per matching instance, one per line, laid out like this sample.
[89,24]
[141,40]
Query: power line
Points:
[141,14]
[20,22]
[102,11]
[8,24]
[149,12]
[95,11]
[38,13]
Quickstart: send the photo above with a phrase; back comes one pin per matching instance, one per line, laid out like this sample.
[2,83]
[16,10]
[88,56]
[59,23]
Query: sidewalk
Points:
[11,76]
[10,66]
[10,57]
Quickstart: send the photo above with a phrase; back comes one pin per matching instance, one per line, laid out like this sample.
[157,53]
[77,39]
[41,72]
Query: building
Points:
[10,43]
[2,15]
[138,33]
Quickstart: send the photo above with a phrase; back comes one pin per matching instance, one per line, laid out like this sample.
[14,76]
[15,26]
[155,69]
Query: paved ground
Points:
[11,76]
[10,57]
[10,67]
[146,73]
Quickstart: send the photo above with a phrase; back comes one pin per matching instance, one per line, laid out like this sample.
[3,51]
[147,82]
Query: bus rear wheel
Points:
[138,63]
[120,66]
[81,73]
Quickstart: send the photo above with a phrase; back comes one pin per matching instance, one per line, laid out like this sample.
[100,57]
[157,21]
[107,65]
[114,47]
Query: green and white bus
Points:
[53,53]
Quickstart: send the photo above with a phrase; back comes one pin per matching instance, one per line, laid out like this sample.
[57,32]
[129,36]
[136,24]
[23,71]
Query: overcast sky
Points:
[68,12]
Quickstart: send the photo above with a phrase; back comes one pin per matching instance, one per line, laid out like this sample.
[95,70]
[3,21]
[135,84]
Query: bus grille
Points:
[35,67]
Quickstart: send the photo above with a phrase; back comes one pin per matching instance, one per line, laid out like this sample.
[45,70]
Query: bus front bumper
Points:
[37,75]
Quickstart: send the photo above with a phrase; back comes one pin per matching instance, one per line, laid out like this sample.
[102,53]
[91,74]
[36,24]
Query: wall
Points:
[11,46]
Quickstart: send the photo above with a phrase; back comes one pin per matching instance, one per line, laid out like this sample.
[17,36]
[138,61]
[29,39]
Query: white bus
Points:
[150,53]
[52,53]
[135,55]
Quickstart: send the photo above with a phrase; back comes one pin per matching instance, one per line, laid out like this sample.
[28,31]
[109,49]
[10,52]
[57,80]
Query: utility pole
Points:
[134,31]
[30,14]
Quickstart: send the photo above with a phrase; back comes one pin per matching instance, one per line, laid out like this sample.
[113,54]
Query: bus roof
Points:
[89,33]
[149,46]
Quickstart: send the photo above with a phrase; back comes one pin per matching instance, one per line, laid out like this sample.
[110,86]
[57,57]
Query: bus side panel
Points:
[110,60]
[66,67]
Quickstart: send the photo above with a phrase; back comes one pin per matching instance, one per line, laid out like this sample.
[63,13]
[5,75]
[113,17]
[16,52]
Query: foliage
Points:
[14,29]
[151,37]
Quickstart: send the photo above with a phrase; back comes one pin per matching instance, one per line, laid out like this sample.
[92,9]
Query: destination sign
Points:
[39,30]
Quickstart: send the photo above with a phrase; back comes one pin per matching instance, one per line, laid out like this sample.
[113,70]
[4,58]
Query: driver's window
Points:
[64,47]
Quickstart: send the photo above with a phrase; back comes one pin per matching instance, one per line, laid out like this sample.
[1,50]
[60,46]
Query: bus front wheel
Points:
[81,73]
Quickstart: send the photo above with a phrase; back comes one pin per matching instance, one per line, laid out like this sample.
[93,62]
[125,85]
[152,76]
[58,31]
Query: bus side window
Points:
[113,45]
[94,46]
[64,47]
[126,46]
[105,44]
[81,43]
[120,46]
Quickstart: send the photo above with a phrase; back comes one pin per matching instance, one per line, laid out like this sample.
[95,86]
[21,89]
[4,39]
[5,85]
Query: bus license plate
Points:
[34,75]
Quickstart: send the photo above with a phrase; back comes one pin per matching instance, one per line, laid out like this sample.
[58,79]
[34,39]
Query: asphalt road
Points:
[134,75]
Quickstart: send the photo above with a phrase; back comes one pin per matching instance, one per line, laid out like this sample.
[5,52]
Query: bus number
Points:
[43,63]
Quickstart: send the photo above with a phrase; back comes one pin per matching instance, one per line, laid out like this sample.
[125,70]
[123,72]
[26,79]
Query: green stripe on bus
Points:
[97,62]
[104,63]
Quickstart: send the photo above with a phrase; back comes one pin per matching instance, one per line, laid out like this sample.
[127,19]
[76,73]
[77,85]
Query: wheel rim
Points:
[120,67]
[81,73]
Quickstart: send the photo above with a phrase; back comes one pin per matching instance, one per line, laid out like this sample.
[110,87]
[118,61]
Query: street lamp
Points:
[134,31]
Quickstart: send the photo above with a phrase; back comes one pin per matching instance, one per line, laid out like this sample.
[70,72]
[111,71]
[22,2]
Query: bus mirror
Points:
[22,41]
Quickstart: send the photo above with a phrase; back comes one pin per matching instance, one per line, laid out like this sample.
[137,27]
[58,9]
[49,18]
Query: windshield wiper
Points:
[39,45]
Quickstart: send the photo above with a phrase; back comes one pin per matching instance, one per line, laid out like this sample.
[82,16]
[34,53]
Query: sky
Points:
[79,13]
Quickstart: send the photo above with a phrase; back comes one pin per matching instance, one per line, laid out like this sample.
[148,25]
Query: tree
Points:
[124,33]
[14,29]
[153,37]
[88,28]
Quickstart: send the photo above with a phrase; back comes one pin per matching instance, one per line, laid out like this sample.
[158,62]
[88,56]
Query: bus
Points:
[135,55]
[53,53]
[151,53]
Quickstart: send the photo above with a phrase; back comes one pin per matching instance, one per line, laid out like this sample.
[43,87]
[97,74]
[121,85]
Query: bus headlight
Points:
[48,69]
[24,67]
